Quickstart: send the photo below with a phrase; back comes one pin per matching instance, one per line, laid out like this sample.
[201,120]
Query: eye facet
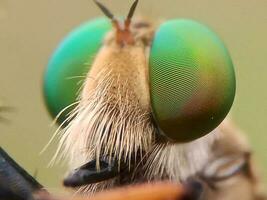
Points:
[192,80]
[70,63]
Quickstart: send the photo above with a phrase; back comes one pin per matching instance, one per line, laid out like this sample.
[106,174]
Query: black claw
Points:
[88,174]
[15,182]
[194,190]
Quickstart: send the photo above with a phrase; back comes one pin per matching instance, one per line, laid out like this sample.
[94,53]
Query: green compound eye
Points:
[70,63]
[192,80]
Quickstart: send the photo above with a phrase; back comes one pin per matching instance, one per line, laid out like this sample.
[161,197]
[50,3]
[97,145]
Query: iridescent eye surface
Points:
[192,80]
[70,63]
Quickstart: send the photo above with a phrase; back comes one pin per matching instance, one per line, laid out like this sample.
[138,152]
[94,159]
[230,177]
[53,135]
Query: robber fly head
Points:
[148,94]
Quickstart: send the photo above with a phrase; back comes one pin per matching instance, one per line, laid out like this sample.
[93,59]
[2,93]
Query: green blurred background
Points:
[30,30]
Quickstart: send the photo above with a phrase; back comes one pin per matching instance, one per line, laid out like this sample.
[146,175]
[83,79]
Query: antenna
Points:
[130,15]
[105,10]
[132,9]
[123,35]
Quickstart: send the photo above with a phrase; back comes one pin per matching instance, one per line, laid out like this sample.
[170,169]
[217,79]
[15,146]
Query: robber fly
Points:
[151,106]
[15,182]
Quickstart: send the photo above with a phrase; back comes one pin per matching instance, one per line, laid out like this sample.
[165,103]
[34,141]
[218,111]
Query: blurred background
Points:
[30,31]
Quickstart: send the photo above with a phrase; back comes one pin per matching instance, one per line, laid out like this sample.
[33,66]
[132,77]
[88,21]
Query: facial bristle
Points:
[177,162]
[106,124]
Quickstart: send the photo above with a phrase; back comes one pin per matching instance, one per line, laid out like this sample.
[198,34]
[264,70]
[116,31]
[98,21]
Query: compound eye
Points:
[192,80]
[69,65]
